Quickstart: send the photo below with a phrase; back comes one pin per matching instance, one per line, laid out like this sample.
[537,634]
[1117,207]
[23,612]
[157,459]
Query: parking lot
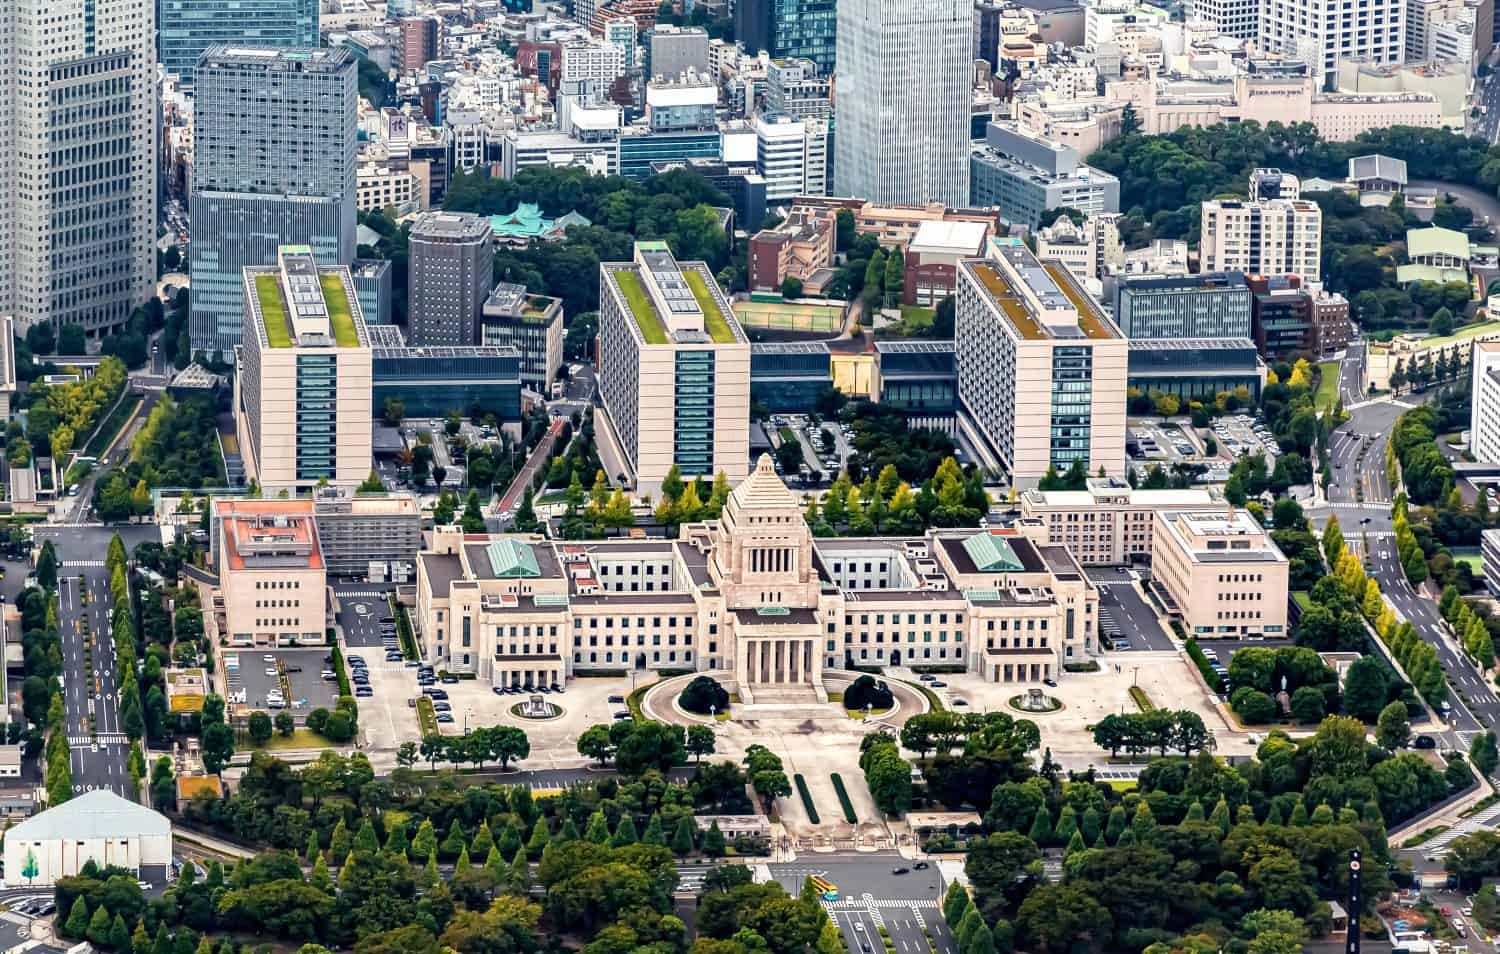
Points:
[361,609]
[1240,435]
[294,673]
[1123,609]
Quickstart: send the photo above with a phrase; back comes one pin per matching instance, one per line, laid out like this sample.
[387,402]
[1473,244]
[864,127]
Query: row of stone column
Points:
[772,661]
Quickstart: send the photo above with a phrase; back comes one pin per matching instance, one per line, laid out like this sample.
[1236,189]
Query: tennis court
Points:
[789,316]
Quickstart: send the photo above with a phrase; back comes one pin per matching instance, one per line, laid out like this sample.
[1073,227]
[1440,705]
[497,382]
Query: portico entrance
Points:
[780,669]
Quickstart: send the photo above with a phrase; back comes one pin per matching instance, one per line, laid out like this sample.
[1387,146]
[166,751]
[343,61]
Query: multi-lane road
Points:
[90,684]
[1365,518]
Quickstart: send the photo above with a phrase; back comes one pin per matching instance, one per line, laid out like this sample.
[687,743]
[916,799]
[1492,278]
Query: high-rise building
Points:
[78,157]
[1041,368]
[674,369]
[1183,306]
[418,42]
[904,69]
[1322,32]
[673,50]
[450,275]
[789,28]
[533,325]
[274,164]
[1484,417]
[1265,237]
[1236,18]
[303,392]
[794,87]
[188,27]
[792,155]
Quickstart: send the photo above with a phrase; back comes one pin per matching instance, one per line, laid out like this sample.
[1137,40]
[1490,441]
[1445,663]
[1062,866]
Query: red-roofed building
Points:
[272,579]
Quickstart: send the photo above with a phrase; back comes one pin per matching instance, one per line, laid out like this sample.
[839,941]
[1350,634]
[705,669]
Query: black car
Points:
[448,677]
[920,866]
[1050,683]
[899,870]
[617,699]
[938,684]
[1424,742]
[498,690]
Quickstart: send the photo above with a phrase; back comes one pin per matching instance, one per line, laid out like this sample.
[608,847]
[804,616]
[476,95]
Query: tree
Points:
[704,695]
[218,746]
[1365,689]
[509,744]
[1308,705]
[791,287]
[260,728]
[1441,323]
[700,741]
[682,838]
[1482,752]
[1392,729]
[286,725]
[595,743]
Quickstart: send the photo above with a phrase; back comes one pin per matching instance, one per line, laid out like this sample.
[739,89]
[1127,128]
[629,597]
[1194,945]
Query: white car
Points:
[268,657]
[271,671]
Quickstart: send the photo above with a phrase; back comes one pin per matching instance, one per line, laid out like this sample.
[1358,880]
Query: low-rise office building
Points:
[1195,369]
[272,579]
[674,369]
[1041,368]
[532,324]
[97,827]
[754,596]
[1219,573]
[433,382]
[355,530]
[1025,176]
[1110,523]
[1183,306]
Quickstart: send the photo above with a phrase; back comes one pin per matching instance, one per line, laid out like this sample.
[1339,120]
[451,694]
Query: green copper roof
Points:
[525,222]
[991,554]
[773,611]
[512,558]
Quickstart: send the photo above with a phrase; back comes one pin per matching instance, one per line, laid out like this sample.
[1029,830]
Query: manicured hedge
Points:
[1195,653]
[807,802]
[844,803]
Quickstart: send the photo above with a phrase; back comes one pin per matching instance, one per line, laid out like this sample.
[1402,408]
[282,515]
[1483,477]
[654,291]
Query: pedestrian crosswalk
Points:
[361,594]
[82,563]
[1482,819]
[103,738]
[860,904]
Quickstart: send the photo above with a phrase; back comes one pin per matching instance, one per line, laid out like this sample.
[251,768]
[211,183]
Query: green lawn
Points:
[1328,385]
[714,321]
[301,738]
[105,434]
[340,314]
[640,307]
[273,310]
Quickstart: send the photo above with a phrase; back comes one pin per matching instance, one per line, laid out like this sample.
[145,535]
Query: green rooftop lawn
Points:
[1467,331]
[340,315]
[640,306]
[714,320]
[1328,385]
[273,310]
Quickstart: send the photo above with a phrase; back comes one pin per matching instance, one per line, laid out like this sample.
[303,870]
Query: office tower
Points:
[674,369]
[903,82]
[452,257]
[418,42]
[303,396]
[1322,32]
[1183,306]
[789,28]
[672,51]
[188,27]
[794,87]
[533,325]
[274,164]
[1041,369]
[78,154]
[1266,237]
[1484,417]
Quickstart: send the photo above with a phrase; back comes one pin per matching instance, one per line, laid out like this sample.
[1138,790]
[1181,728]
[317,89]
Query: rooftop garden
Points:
[273,310]
[715,322]
[340,314]
[641,308]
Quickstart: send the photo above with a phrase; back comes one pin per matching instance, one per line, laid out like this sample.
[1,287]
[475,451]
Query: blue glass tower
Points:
[185,28]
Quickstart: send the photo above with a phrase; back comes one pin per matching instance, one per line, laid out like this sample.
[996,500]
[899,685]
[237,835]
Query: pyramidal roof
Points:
[763,489]
[97,814]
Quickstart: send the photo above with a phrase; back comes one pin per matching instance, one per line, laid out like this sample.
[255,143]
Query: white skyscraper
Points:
[1322,32]
[77,160]
[903,90]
